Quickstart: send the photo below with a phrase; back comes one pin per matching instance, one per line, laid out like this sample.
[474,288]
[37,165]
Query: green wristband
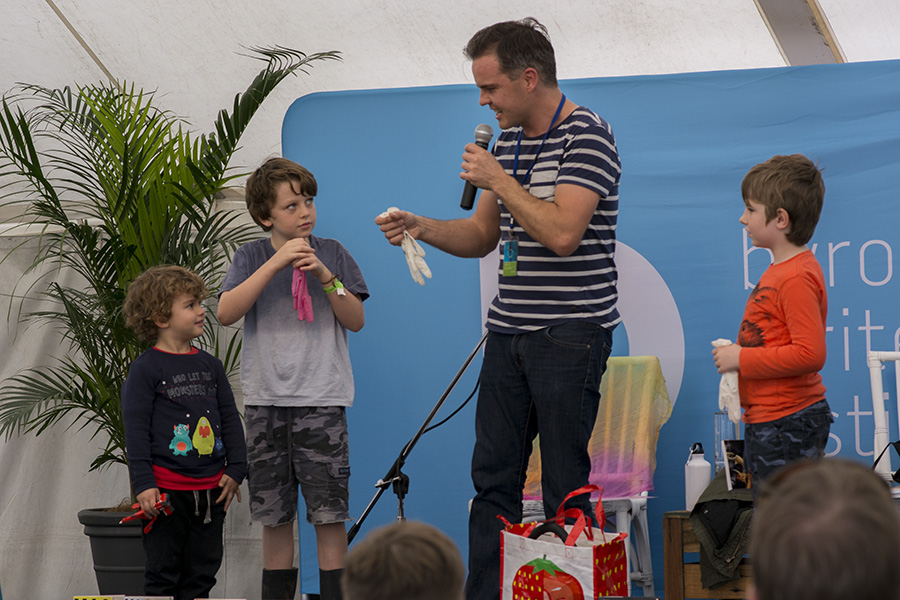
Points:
[336,286]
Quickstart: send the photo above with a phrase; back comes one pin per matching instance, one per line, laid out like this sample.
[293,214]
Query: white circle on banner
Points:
[650,316]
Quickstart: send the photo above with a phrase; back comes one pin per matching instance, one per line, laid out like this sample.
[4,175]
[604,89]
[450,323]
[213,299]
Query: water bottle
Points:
[725,430]
[697,472]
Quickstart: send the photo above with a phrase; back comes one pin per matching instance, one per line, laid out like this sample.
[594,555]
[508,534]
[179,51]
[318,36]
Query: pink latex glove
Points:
[302,301]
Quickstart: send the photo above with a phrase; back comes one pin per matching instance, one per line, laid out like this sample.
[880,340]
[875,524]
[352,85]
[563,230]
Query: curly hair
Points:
[262,183]
[151,294]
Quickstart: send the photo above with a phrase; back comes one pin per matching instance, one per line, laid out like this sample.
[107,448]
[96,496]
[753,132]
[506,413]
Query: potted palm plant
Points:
[114,184]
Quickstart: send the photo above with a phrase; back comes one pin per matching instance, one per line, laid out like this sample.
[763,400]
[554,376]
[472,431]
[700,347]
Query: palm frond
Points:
[216,148]
[116,184]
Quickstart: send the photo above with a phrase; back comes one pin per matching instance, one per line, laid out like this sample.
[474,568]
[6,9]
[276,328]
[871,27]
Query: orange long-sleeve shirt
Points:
[782,340]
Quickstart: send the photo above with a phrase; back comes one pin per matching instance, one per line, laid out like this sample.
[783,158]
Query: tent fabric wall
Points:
[192,52]
[45,480]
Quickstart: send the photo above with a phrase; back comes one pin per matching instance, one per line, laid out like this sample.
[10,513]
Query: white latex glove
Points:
[414,254]
[729,398]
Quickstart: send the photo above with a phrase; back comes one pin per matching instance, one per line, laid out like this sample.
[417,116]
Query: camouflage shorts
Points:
[291,446]
[773,444]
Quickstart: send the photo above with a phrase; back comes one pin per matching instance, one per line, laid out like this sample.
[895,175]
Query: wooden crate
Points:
[681,578]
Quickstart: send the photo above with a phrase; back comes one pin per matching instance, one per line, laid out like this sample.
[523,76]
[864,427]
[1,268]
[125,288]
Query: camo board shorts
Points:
[770,445]
[291,446]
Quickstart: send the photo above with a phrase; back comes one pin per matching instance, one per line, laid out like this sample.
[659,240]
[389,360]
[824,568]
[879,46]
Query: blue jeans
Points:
[545,382]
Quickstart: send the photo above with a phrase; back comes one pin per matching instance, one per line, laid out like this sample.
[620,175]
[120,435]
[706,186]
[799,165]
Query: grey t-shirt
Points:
[286,361]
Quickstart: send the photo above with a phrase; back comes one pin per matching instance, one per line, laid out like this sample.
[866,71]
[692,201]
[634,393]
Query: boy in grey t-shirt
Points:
[298,295]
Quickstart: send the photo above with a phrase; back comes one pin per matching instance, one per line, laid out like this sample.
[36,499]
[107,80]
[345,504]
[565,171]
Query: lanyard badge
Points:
[510,256]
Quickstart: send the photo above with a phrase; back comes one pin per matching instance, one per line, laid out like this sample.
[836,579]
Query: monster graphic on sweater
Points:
[180,417]
[181,442]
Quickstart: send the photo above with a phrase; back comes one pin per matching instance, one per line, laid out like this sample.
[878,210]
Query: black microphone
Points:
[483,135]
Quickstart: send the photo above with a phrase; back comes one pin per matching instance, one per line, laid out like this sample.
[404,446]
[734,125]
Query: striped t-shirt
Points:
[549,289]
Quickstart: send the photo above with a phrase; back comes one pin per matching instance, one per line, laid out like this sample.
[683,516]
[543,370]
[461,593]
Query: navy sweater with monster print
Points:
[180,415]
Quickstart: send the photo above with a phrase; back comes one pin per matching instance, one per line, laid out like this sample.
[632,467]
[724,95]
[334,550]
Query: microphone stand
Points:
[395,478]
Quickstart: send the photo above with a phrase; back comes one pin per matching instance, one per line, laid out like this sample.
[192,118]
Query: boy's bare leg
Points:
[278,546]
[331,545]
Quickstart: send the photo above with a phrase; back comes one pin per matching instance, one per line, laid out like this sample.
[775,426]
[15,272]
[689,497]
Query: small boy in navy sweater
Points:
[183,434]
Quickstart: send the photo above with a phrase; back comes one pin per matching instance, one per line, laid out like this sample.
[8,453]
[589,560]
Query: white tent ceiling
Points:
[191,51]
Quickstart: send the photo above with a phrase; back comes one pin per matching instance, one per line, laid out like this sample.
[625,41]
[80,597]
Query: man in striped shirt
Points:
[550,199]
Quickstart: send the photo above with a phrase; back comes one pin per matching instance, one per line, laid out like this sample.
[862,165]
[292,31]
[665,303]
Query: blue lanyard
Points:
[541,147]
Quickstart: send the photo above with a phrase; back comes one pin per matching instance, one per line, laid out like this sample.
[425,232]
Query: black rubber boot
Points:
[279,584]
[330,584]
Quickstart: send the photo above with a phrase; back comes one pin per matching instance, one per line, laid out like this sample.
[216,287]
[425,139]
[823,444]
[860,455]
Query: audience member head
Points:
[825,529]
[792,183]
[404,561]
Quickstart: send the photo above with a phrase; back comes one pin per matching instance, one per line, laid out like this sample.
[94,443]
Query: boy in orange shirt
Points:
[781,344]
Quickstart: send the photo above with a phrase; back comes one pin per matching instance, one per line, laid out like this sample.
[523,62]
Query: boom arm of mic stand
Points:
[395,477]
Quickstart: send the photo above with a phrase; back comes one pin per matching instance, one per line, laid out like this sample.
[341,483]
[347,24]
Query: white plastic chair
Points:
[634,405]
[875,360]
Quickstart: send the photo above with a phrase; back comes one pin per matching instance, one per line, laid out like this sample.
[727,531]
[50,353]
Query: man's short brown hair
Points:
[151,295]
[262,184]
[518,45]
[793,183]
[408,560]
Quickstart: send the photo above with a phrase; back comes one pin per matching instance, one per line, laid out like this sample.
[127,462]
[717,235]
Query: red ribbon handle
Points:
[582,523]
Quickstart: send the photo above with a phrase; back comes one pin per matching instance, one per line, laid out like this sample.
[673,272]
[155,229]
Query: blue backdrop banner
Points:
[686,266]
